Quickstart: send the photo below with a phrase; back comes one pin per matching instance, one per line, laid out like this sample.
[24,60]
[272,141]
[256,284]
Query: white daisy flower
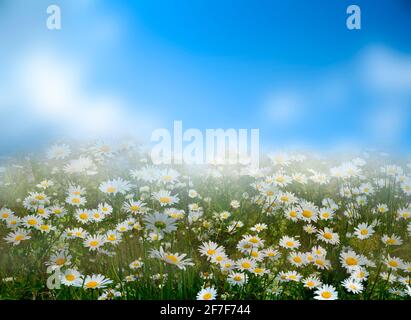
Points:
[208,293]
[326,292]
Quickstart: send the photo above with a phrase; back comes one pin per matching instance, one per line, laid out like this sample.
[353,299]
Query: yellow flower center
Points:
[246,265]
[326,295]
[91,284]
[19,237]
[75,200]
[32,222]
[307,213]
[351,261]
[393,263]
[165,200]
[364,232]
[70,277]
[289,243]
[319,262]
[60,261]
[111,189]
[172,258]
[207,296]
[210,252]
[94,243]
[83,216]
[328,235]
[297,259]
[280,179]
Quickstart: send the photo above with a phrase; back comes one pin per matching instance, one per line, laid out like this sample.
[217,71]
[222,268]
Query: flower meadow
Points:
[99,221]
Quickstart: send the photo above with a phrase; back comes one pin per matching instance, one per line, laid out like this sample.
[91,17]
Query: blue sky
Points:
[290,68]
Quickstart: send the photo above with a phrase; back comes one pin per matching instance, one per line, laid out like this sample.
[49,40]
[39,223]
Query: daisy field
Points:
[100,221]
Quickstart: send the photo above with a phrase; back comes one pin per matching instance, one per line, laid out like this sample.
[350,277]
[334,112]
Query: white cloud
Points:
[386,74]
[46,76]
[284,108]
[50,90]
[385,69]
[49,85]
[386,123]
[372,92]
